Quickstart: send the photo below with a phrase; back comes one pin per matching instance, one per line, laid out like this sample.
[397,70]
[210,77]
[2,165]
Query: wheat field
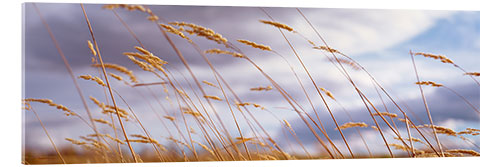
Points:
[127,83]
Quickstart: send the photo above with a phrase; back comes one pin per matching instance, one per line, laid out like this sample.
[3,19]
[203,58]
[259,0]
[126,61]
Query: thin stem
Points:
[351,81]
[46,133]
[409,136]
[107,83]
[316,87]
[425,104]
[463,98]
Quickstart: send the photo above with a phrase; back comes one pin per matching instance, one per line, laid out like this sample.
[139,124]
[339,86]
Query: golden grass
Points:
[199,133]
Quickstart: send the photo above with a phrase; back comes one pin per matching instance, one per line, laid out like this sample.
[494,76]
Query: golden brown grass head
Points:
[91,47]
[97,102]
[145,139]
[110,6]
[151,61]
[392,115]
[201,31]
[255,45]
[398,146]
[153,18]
[175,31]
[150,57]
[412,139]
[210,84]
[433,84]
[243,139]
[325,48]
[442,58]
[470,131]
[205,148]
[403,120]
[349,63]
[112,111]
[353,124]
[75,142]
[440,129]
[278,25]
[262,88]
[328,93]
[477,74]
[248,104]
[93,78]
[213,97]
[130,7]
[117,77]
[191,112]
[218,51]
[143,65]
[67,111]
[120,69]
[109,109]
[102,121]
[169,118]
[114,139]
[464,151]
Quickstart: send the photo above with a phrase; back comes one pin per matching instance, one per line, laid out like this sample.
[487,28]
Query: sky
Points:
[380,40]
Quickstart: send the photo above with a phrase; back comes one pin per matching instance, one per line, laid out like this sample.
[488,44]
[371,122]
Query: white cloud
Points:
[361,31]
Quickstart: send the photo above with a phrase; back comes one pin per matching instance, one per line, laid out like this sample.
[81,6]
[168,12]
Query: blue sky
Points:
[379,39]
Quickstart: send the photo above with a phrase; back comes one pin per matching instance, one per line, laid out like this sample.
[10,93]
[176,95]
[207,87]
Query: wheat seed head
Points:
[353,124]
[255,45]
[93,78]
[433,84]
[278,25]
[213,97]
[262,88]
[442,58]
[218,51]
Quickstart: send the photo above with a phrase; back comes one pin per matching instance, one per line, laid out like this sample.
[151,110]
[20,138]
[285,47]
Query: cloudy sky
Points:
[380,40]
